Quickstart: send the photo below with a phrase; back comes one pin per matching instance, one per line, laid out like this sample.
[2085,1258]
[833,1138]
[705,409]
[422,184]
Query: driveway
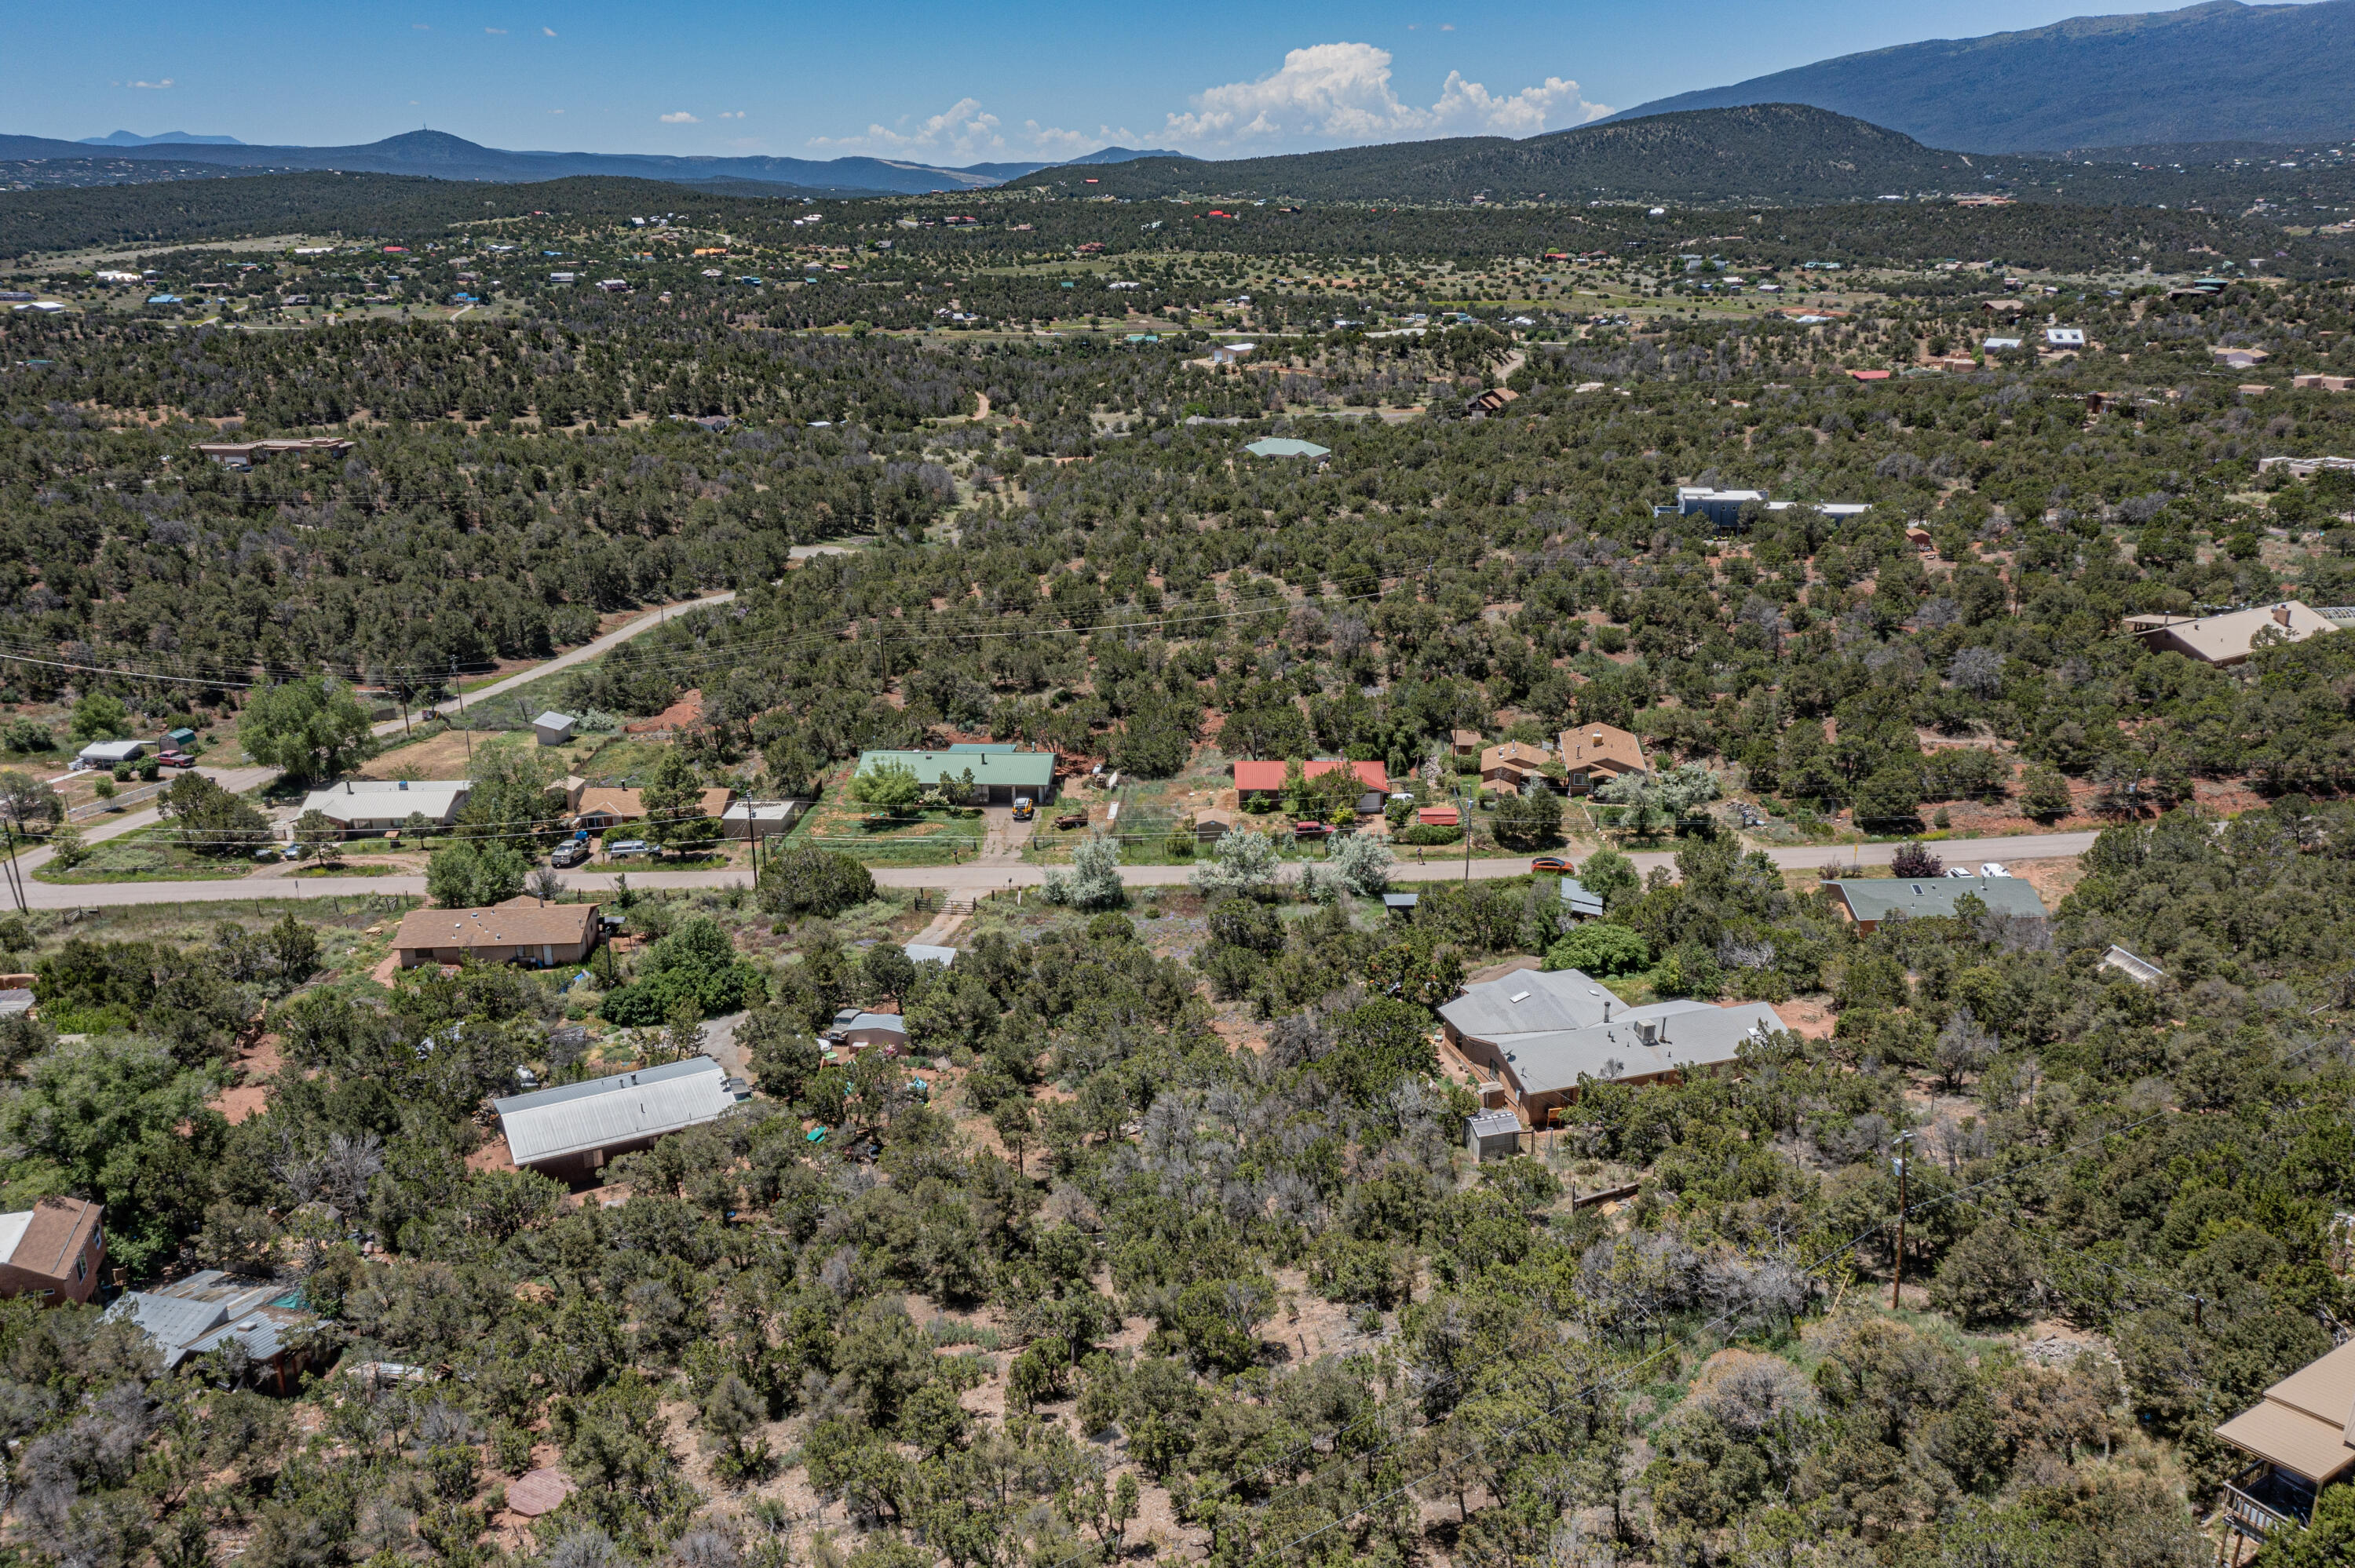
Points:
[581,655]
[986,877]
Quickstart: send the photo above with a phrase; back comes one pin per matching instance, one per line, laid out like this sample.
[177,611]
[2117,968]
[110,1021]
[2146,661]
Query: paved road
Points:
[581,655]
[985,878]
[236,780]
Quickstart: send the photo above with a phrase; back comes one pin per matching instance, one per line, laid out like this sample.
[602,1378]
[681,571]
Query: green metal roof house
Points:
[1870,901]
[1286,446]
[1001,775]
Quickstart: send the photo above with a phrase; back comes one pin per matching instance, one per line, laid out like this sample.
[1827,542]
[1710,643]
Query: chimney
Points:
[348,786]
[2281,614]
[1606,1013]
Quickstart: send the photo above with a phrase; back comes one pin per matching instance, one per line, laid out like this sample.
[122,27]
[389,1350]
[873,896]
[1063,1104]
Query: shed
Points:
[1466,742]
[759,819]
[1437,817]
[2133,966]
[1401,905]
[854,1026]
[554,728]
[183,738]
[926,953]
[1578,903]
[1492,1135]
[572,1131]
[1212,824]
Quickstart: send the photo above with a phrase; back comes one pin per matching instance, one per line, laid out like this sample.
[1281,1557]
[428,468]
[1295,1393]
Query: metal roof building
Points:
[1868,901]
[999,775]
[573,1130]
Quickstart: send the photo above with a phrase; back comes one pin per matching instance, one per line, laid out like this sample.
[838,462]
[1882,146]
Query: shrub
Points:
[1914,861]
[808,881]
[1600,947]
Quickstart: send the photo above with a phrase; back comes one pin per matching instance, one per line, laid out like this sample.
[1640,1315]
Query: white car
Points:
[1994,868]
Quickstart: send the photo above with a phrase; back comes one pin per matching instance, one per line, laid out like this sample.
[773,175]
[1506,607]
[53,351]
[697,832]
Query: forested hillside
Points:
[1160,1240]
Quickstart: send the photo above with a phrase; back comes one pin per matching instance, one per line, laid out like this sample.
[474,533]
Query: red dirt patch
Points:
[251,1095]
[681,715]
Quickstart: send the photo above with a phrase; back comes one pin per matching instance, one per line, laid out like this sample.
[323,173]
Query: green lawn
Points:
[137,857]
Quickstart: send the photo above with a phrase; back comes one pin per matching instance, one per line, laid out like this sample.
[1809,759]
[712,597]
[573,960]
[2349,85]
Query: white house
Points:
[379,805]
[2064,337]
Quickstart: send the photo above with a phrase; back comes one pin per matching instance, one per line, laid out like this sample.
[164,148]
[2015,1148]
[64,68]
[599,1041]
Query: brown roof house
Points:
[2300,1439]
[598,807]
[1512,764]
[1468,742]
[520,931]
[1595,754]
[2232,637]
[52,1250]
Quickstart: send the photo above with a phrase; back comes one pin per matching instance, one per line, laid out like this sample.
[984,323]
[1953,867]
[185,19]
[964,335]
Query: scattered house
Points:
[2133,966]
[1919,537]
[1869,374]
[1578,903]
[2067,340]
[1957,362]
[2003,307]
[858,1027]
[52,1251]
[17,1002]
[1266,778]
[1437,817]
[1595,754]
[520,931]
[1212,824]
[109,754]
[1492,401]
[571,1132]
[1722,507]
[1401,905]
[211,1310]
[749,819]
[999,772]
[1232,352]
[2323,382]
[554,728]
[1868,901]
[2241,359]
[245,455]
[925,953]
[380,805]
[600,808]
[2232,637]
[1285,447]
[1492,1135]
[1468,742]
[2302,1439]
[1512,764]
[1537,1033]
[1998,344]
[2307,468]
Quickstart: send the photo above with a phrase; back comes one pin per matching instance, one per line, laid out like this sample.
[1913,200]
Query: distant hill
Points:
[1130,156]
[168,139]
[2220,71]
[1783,153]
[444,156]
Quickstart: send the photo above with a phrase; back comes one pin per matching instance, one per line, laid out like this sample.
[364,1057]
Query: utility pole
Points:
[15,876]
[459,693]
[1897,1269]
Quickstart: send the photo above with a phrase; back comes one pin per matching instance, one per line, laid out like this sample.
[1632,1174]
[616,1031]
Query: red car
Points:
[1550,863]
[175,759]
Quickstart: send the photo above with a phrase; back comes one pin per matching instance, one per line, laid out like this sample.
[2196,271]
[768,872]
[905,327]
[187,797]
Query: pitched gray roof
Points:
[1664,1037]
[1564,999]
[1877,898]
[603,1112]
[1577,900]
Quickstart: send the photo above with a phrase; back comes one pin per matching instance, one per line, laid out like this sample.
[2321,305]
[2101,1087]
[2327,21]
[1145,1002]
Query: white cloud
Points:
[420,27]
[497,31]
[548,32]
[681,118]
[965,133]
[154,85]
[731,114]
[1329,93]
[556,112]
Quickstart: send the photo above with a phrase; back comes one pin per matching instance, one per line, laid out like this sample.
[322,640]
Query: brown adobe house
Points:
[2300,1438]
[1595,754]
[53,1250]
[520,931]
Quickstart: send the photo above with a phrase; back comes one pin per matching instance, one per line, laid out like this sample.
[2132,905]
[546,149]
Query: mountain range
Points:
[1778,152]
[2220,72]
[444,156]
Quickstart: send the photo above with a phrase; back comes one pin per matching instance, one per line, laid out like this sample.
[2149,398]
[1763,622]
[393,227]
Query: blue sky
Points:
[928,83]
